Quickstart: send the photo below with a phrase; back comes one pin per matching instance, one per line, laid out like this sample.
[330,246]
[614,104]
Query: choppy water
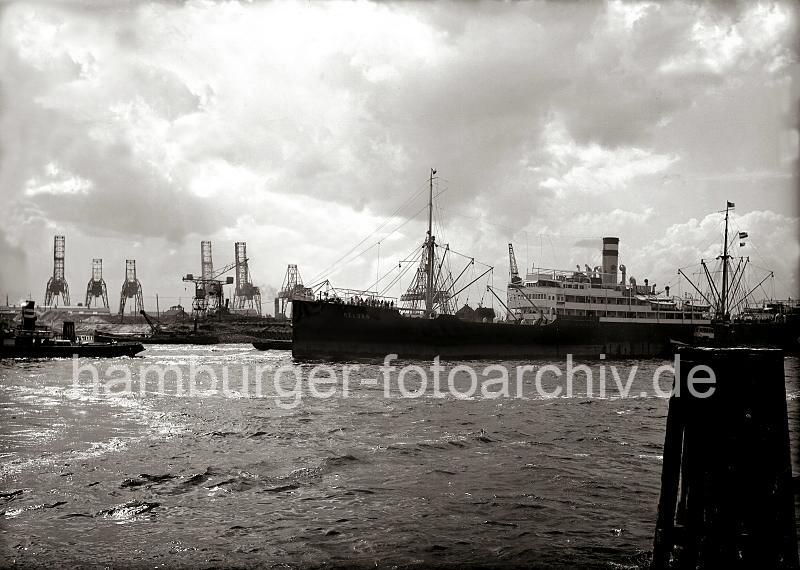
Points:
[215,479]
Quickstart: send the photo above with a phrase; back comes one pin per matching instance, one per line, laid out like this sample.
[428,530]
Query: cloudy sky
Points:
[139,129]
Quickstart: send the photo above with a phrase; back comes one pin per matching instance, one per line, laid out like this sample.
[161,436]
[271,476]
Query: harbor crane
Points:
[209,296]
[292,288]
[57,284]
[512,269]
[96,288]
[247,296]
[131,289]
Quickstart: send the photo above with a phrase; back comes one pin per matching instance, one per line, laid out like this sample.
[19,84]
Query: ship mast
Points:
[429,244]
[725,257]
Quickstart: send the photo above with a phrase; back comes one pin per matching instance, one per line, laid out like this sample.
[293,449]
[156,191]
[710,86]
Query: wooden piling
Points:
[726,483]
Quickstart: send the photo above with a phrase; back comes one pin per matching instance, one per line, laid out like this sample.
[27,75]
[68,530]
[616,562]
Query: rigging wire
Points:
[781,281]
[464,255]
[333,269]
[376,230]
[403,268]
[389,272]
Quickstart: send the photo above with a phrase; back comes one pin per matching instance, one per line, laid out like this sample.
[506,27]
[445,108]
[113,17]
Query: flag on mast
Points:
[742,235]
[731,205]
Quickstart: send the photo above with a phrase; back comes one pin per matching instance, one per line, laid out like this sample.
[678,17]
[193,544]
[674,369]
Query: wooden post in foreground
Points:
[726,482]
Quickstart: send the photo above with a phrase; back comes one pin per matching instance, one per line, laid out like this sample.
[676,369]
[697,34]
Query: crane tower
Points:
[292,288]
[513,271]
[96,287]
[209,296]
[57,284]
[131,288]
[247,295]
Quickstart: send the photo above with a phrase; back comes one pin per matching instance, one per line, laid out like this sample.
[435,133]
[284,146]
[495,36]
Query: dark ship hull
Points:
[60,350]
[323,330]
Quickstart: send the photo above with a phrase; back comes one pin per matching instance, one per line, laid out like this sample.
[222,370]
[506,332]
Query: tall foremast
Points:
[430,244]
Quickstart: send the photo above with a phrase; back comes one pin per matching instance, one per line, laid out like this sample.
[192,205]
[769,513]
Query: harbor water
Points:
[227,475]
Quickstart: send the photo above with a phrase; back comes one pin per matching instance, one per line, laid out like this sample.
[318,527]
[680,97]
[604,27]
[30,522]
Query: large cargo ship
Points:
[328,330]
[550,313]
[572,316]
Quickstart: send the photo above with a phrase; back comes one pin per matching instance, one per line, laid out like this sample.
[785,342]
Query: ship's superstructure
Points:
[547,294]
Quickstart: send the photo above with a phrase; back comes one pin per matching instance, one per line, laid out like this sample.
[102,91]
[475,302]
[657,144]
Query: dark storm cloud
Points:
[58,126]
[181,121]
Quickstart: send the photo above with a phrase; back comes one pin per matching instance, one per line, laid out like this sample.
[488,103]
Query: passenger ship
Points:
[602,293]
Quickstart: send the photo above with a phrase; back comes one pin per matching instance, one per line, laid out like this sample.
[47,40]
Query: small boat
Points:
[30,340]
[274,344]
[157,338]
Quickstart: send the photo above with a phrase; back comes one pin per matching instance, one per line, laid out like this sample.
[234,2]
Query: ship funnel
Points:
[622,270]
[610,259]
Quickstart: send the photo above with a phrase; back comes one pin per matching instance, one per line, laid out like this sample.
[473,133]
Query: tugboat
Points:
[30,340]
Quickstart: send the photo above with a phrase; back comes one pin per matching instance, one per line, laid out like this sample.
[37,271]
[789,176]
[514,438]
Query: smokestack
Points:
[610,258]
